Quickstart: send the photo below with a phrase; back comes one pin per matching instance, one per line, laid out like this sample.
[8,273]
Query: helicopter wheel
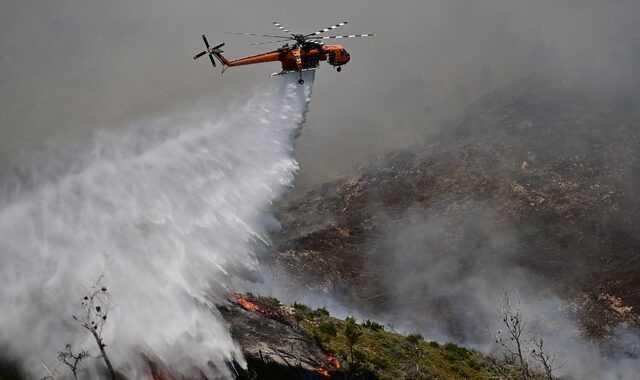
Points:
[339,69]
[301,81]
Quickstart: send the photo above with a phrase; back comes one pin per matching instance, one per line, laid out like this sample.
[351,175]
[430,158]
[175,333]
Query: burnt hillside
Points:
[538,182]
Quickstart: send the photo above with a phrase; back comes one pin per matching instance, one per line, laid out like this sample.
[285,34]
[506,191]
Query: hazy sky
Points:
[68,67]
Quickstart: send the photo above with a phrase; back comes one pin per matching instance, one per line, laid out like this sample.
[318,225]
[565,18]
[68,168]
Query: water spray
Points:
[169,212]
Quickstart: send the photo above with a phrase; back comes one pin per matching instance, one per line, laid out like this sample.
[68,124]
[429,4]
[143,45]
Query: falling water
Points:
[169,210]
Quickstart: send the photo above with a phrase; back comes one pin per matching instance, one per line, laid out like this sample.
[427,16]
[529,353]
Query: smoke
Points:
[447,272]
[169,209]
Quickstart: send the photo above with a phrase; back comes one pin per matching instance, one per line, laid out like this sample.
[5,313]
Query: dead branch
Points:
[544,358]
[513,341]
[72,360]
[96,306]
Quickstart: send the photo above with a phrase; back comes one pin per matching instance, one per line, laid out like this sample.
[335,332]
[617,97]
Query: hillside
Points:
[535,188]
[283,342]
[302,343]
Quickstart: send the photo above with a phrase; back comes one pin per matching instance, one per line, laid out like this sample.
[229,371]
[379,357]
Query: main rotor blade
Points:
[268,42]
[199,55]
[328,29]
[348,36]
[257,35]
[205,41]
[279,26]
[213,62]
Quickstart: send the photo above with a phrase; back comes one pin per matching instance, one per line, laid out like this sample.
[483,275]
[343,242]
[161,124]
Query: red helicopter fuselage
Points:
[295,58]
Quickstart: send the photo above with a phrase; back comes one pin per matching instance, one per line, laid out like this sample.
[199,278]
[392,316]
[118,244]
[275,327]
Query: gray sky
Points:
[69,67]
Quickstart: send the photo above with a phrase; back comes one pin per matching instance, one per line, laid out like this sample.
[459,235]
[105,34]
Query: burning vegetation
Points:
[245,303]
[297,342]
[323,371]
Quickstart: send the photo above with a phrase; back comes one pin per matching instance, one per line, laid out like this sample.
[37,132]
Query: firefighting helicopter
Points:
[304,54]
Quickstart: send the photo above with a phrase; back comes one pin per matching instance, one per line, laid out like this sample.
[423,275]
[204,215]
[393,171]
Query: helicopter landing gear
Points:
[339,69]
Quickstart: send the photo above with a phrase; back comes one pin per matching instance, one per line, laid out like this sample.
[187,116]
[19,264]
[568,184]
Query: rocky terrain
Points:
[272,343]
[539,180]
[296,342]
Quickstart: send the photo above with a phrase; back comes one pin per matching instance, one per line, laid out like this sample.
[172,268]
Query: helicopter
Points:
[303,53]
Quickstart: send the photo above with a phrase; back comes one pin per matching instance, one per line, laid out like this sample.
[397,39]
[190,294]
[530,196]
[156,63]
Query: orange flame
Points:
[245,303]
[333,362]
[324,372]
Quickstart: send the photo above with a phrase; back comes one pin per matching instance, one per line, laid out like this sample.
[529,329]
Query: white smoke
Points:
[169,210]
[451,291]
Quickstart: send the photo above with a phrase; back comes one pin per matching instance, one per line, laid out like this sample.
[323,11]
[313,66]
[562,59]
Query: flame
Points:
[245,303]
[324,372]
[333,362]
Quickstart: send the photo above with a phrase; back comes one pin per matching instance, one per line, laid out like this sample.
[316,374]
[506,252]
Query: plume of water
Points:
[169,210]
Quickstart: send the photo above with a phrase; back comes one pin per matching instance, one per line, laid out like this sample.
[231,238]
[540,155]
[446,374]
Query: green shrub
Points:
[414,338]
[460,372]
[300,307]
[380,362]
[457,350]
[359,356]
[473,364]
[319,340]
[328,328]
[372,325]
[320,312]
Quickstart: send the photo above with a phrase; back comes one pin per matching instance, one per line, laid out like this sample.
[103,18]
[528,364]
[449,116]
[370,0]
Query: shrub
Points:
[457,350]
[359,356]
[300,307]
[414,338]
[320,312]
[372,325]
[473,364]
[328,328]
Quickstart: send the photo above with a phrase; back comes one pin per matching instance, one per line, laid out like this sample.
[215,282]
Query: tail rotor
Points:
[212,51]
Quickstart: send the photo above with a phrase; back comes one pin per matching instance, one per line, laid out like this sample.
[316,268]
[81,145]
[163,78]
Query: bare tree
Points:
[544,358]
[95,306]
[72,360]
[513,341]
